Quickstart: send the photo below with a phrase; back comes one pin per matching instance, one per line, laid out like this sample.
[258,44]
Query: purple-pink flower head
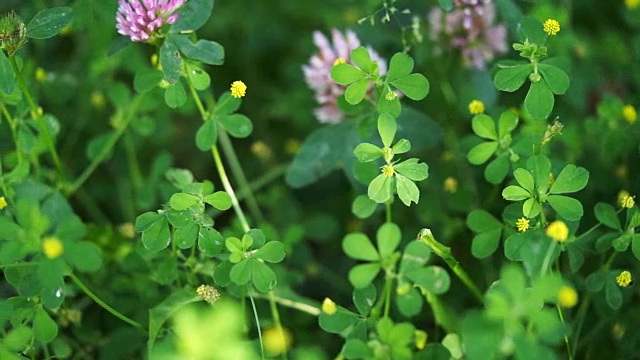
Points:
[318,72]
[140,19]
[470,29]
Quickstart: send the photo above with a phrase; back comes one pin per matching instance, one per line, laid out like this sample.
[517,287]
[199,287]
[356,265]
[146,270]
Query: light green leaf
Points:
[44,328]
[540,168]
[358,246]
[7,77]
[356,91]
[414,86]
[185,237]
[407,190]
[511,78]
[507,122]
[209,52]
[362,275]
[515,193]
[234,245]
[484,127]
[157,236]
[400,65]
[388,238]
[570,179]
[401,147]
[497,169]
[219,200]
[183,201]
[480,153]
[198,77]
[366,152]
[162,312]
[146,80]
[433,278]
[539,100]
[380,188]
[272,252]
[531,208]
[364,299]
[345,74]
[145,221]
[568,208]
[412,169]
[387,128]
[525,179]
[361,58]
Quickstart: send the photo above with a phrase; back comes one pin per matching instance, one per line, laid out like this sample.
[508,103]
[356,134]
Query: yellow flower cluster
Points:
[339,61]
[476,107]
[558,231]
[388,170]
[238,89]
[208,293]
[522,224]
[551,26]
[627,201]
[624,279]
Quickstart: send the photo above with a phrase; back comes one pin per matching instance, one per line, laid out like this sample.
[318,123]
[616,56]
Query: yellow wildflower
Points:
[276,340]
[618,330]
[522,224]
[391,95]
[629,112]
[127,230]
[3,202]
[52,247]
[627,202]
[624,279]
[567,297]
[261,150]
[632,4]
[98,100]
[238,89]
[388,170]
[551,26]
[476,107]
[558,231]
[329,307]
[450,185]
[339,61]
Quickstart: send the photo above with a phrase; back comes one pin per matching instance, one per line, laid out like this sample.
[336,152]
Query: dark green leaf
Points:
[497,169]
[416,254]
[511,78]
[198,77]
[209,52]
[364,299]
[170,61]
[49,22]
[175,96]
[607,215]
[219,200]
[480,153]
[146,80]
[362,275]
[241,272]
[86,256]
[486,243]
[557,79]
[570,179]
[272,252]
[484,127]
[356,349]
[363,207]
[210,241]
[339,322]
[44,328]
[433,278]
[146,220]
[262,277]
[7,77]
[540,167]
[409,303]
[157,236]
[481,221]
[186,237]
[227,104]
[193,15]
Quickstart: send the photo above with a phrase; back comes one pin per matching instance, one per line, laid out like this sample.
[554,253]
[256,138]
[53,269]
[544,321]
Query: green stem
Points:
[297,305]
[255,314]
[444,252]
[566,337]
[387,295]
[388,210]
[229,189]
[238,174]
[106,150]
[35,113]
[547,258]
[104,305]
[14,127]
[276,318]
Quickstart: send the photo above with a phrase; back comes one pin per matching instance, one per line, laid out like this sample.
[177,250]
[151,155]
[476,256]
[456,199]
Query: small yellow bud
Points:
[98,100]
[292,146]
[450,185]
[403,289]
[127,230]
[261,150]
[41,75]
[421,339]
[624,279]
[238,89]
[339,61]
[52,247]
[476,107]
[388,170]
[558,231]
[3,202]
[276,341]
[391,95]
[567,297]
[629,113]
[329,307]
[627,202]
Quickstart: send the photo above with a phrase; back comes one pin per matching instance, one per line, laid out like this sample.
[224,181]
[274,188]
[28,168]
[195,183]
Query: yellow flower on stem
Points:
[629,113]
[551,26]
[277,340]
[567,297]
[627,202]
[558,231]
[476,107]
[238,89]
